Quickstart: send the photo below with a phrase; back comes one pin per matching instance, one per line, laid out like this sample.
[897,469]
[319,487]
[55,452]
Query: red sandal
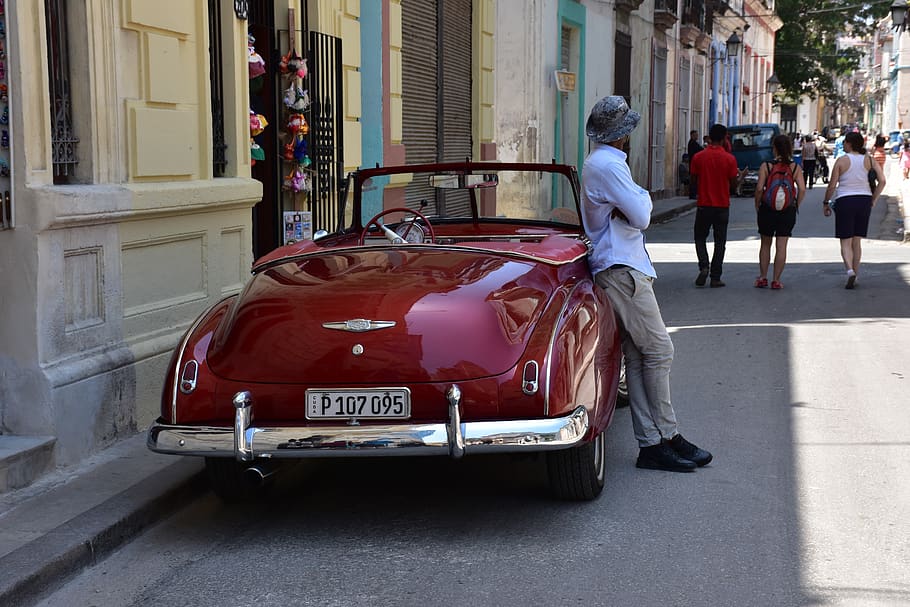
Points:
[761,283]
[776,285]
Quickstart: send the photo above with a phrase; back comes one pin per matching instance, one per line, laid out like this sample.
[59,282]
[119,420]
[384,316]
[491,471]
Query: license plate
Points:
[382,403]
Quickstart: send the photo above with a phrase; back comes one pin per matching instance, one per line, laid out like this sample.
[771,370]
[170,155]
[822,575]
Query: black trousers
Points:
[809,171]
[706,220]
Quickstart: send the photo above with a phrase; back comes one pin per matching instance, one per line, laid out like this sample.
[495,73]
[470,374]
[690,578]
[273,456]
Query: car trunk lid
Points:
[383,315]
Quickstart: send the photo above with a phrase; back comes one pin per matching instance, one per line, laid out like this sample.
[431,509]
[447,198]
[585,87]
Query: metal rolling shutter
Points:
[436,88]
[420,98]
[455,70]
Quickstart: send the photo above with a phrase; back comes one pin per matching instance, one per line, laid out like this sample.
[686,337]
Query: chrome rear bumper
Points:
[454,438]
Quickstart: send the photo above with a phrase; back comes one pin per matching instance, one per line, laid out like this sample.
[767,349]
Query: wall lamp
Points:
[734,42]
[899,15]
[773,83]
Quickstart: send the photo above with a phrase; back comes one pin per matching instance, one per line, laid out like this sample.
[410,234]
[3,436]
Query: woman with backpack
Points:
[852,176]
[778,194]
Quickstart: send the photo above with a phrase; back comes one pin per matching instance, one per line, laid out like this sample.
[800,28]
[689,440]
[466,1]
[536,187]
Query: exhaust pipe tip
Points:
[259,475]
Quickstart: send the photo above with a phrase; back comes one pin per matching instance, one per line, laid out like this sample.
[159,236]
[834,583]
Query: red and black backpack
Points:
[780,187]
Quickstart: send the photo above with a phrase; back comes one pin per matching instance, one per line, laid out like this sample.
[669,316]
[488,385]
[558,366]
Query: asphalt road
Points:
[801,394]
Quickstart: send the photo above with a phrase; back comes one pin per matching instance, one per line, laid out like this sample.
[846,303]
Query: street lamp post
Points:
[734,44]
[772,85]
[726,77]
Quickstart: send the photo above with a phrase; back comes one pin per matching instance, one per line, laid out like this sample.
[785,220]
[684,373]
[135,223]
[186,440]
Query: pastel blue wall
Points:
[371,96]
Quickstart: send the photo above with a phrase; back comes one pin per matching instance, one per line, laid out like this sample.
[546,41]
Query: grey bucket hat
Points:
[610,120]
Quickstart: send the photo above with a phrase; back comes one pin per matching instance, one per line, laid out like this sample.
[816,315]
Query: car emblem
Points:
[359,325]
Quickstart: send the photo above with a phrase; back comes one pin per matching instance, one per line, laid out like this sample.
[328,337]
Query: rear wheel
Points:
[578,473]
[229,481]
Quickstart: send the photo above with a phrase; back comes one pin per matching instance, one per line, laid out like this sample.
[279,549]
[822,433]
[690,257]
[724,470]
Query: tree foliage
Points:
[806,57]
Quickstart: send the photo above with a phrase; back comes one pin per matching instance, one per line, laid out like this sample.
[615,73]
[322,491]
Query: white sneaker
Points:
[851,279]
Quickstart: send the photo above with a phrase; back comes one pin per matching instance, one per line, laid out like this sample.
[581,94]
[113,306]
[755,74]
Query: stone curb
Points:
[48,562]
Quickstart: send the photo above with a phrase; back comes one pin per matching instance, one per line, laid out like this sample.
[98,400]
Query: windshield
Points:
[752,138]
[463,195]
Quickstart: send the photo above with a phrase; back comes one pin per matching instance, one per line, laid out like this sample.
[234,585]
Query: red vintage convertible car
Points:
[460,319]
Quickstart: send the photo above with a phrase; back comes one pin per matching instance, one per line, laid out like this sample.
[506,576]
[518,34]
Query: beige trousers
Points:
[648,351]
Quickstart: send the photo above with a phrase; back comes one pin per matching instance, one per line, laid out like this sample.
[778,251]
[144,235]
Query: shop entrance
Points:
[296,128]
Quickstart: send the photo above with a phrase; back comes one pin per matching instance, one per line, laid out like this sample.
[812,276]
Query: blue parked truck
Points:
[751,146]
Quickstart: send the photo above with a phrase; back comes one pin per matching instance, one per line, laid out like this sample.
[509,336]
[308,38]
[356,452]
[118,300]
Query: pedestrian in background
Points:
[905,159]
[879,154]
[713,172]
[839,146]
[854,201]
[774,225]
[809,153]
[615,210]
[683,170]
[693,148]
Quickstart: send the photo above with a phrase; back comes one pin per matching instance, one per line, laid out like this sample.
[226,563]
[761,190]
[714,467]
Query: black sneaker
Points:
[689,451]
[701,278]
[717,282]
[662,457]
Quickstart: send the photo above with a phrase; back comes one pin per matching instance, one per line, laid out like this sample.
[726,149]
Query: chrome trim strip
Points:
[549,361]
[386,440]
[185,340]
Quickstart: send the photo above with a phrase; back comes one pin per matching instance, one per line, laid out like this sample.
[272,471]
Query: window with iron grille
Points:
[63,137]
[219,147]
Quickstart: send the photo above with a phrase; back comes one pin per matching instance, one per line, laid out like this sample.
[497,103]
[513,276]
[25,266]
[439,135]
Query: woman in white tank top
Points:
[854,202]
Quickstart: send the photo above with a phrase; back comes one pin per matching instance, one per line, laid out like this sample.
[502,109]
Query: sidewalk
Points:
[73,518]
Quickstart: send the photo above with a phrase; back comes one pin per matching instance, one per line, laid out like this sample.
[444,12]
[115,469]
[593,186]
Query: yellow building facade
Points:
[106,266]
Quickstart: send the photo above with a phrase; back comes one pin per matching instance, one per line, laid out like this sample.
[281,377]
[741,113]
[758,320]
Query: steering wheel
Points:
[392,236]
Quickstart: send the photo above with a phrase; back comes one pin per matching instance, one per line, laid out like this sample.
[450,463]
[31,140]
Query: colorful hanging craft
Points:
[296,98]
[297,124]
[297,181]
[257,123]
[256,63]
[293,64]
[256,153]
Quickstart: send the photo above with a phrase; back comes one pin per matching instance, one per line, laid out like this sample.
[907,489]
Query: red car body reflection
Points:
[487,331]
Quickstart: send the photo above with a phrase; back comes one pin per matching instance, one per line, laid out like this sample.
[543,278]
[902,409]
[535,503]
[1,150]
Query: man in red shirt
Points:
[713,172]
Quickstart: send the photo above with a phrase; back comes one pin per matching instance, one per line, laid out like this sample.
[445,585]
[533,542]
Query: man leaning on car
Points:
[615,211]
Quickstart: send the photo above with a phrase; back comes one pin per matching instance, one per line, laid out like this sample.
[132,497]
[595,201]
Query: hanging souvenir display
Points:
[299,177]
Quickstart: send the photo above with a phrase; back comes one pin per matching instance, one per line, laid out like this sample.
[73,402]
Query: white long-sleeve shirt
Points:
[606,185]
